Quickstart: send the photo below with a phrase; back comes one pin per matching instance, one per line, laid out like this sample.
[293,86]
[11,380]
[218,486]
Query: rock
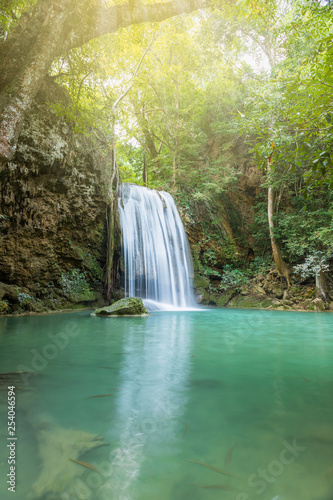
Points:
[225,298]
[53,208]
[201,282]
[286,295]
[3,306]
[258,289]
[132,306]
[88,296]
[278,292]
[249,302]
[56,447]
[202,296]
[319,305]
[9,291]
[331,306]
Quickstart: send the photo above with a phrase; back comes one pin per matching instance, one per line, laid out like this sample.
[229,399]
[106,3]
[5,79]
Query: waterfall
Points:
[157,260]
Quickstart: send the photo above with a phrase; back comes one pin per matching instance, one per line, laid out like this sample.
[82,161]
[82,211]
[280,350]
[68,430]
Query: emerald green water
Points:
[184,385]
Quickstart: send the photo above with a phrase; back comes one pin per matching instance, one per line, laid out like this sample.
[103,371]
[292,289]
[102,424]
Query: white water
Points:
[156,255]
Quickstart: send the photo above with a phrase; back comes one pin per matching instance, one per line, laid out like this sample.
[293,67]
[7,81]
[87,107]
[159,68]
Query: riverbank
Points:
[263,291]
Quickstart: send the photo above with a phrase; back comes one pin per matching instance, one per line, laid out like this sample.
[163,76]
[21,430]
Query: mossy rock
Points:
[202,295]
[201,282]
[278,292]
[87,296]
[131,306]
[319,304]
[250,302]
[225,297]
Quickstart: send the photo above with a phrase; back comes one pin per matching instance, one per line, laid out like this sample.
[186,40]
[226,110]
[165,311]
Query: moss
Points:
[132,306]
[202,295]
[201,282]
[249,302]
[3,307]
[196,258]
[224,298]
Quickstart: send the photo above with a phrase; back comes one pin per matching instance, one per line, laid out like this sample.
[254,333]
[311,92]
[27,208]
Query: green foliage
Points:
[291,112]
[259,265]
[313,265]
[93,267]
[233,278]
[254,67]
[26,301]
[75,284]
[10,12]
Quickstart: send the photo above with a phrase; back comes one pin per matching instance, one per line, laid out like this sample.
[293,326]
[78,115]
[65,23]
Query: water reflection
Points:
[151,402]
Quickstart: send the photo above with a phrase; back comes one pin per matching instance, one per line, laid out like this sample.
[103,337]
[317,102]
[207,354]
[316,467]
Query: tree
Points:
[289,113]
[180,109]
[48,30]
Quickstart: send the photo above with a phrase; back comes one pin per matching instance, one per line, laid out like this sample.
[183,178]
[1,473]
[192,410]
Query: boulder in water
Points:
[131,306]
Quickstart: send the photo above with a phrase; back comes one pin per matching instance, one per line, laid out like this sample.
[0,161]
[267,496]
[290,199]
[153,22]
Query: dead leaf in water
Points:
[215,469]
[228,456]
[84,464]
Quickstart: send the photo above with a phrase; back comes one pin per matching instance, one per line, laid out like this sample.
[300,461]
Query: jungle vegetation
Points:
[183,96]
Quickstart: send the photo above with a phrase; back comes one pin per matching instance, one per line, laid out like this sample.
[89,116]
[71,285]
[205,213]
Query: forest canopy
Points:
[184,92]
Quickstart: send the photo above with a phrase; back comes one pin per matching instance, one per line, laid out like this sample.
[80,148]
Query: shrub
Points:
[313,265]
[233,278]
[25,300]
[75,284]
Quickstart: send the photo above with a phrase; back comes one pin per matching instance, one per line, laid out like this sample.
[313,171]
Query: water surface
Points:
[248,392]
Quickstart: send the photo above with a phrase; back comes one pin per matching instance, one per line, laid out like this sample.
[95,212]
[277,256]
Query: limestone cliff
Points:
[52,213]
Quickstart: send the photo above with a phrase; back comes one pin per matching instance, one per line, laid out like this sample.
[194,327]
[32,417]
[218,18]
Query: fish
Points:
[186,429]
[99,396]
[228,456]
[305,379]
[109,368]
[212,468]
[224,487]
[84,464]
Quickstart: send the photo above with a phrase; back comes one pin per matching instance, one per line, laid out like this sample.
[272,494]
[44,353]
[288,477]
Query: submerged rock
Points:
[131,306]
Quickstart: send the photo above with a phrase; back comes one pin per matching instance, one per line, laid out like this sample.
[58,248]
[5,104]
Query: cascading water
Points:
[156,254]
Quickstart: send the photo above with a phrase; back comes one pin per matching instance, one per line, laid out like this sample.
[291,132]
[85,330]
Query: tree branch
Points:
[100,20]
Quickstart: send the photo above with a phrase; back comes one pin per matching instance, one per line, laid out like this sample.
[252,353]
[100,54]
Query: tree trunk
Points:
[110,215]
[321,285]
[174,164]
[279,262]
[51,29]
[175,139]
[145,171]
[18,94]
